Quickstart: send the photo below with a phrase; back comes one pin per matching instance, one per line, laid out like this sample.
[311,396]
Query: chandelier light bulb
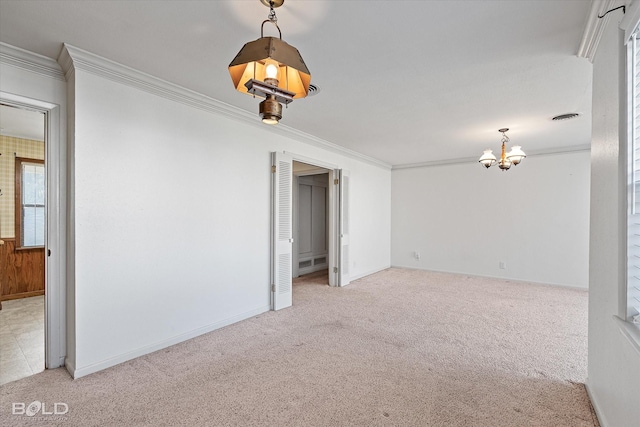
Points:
[271,71]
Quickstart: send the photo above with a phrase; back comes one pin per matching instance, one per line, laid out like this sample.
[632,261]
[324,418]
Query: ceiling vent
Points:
[565,116]
[313,90]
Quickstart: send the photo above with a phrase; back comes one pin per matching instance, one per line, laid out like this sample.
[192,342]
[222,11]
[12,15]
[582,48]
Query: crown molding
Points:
[594,27]
[30,61]
[65,62]
[533,153]
[290,132]
[631,20]
[72,58]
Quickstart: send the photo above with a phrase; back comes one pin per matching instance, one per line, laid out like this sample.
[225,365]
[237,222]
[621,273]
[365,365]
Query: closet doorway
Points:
[310,222]
[282,228]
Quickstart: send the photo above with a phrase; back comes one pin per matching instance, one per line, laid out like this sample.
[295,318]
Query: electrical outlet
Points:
[416,255]
[502,265]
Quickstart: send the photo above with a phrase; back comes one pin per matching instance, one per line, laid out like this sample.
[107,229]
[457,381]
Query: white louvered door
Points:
[282,176]
[344,189]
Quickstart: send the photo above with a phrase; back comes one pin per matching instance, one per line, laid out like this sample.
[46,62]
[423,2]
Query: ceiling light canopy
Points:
[513,157]
[271,68]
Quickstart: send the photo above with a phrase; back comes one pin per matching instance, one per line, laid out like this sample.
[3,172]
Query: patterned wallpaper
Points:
[22,148]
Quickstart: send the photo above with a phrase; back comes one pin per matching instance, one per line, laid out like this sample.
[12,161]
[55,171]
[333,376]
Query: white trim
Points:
[596,406]
[70,367]
[594,28]
[308,172]
[56,242]
[510,279]
[26,103]
[333,212]
[631,20]
[322,167]
[55,272]
[334,227]
[630,331]
[343,231]
[84,371]
[369,273]
[559,150]
[72,58]
[311,161]
[296,219]
[30,61]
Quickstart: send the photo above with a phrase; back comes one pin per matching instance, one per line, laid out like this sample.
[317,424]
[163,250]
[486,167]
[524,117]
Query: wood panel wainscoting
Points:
[21,271]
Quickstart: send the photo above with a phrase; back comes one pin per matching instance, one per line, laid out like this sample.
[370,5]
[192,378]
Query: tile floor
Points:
[21,338]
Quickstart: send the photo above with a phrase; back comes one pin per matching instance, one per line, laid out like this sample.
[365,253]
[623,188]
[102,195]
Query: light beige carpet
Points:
[398,348]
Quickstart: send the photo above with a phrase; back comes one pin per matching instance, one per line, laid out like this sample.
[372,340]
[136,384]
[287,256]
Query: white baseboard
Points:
[71,368]
[90,369]
[595,405]
[369,273]
[511,279]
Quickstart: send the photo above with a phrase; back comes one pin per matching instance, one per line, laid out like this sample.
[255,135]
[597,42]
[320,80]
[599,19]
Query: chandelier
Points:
[513,157]
[272,69]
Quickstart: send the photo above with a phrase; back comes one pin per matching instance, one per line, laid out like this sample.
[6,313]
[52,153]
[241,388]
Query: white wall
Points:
[463,218]
[614,364]
[172,219]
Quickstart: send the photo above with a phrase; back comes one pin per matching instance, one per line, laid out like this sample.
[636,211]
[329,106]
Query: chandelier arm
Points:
[274,23]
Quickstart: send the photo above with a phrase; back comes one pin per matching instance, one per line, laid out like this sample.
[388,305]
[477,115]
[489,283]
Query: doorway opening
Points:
[310,224]
[23,222]
[336,224]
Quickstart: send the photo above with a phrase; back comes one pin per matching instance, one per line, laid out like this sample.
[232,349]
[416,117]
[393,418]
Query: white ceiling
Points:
[401,81]
[21,123]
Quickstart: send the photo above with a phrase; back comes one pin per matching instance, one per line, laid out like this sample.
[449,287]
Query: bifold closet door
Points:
[282,230]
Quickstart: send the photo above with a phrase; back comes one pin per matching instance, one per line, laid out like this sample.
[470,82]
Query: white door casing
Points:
[55,243]
[282,231]
[282,227]
[334,227]
[296,241]
[344,207]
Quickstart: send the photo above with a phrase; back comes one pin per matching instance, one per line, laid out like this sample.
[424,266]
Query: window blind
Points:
[32,189]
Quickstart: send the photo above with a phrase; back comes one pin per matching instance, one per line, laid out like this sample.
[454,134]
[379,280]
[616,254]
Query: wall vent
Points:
[304,264]
[565,116]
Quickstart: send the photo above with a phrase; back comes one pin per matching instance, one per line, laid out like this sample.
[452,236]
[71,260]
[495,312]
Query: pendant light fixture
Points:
[270,68]
[513,157]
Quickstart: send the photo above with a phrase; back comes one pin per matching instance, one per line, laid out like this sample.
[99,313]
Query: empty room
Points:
[269,213]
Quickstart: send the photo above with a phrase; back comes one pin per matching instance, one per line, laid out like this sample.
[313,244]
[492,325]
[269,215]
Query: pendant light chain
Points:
[272,13]
[505,138]
[271,18]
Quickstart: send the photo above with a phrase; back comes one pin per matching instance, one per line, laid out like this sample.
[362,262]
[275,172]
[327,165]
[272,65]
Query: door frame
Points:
[333,214]
[296,213]
[334,218]
[55,231]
